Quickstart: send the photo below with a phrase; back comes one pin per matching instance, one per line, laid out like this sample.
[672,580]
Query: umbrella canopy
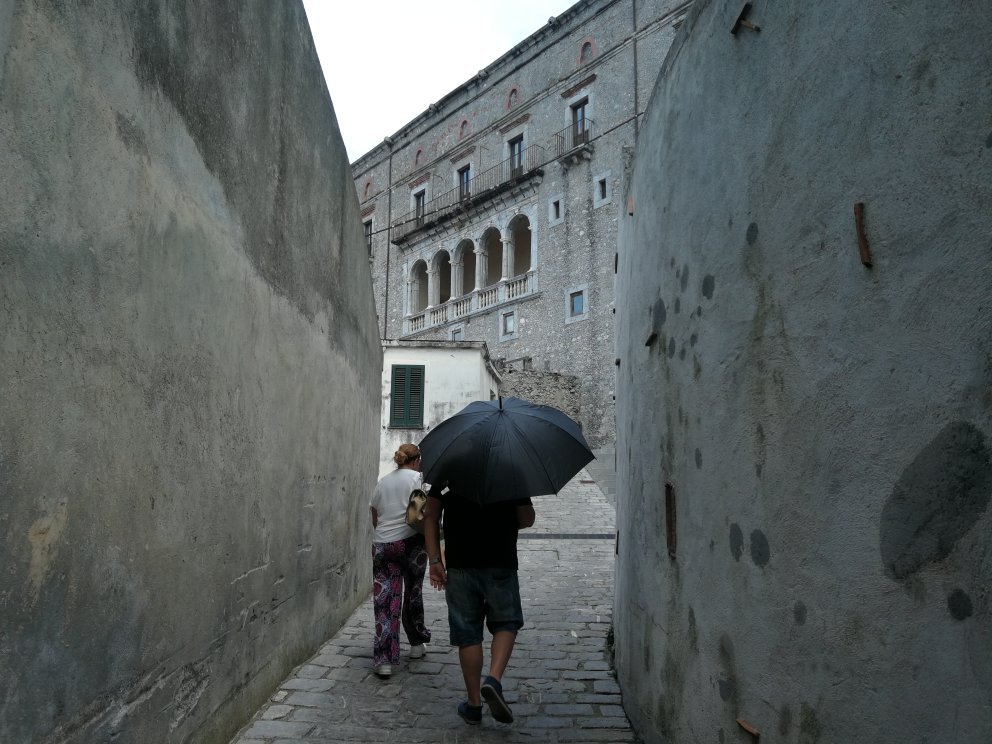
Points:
[498,450]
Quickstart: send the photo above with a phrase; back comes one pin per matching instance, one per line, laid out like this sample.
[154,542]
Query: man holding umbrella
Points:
[479,572]
[484,463]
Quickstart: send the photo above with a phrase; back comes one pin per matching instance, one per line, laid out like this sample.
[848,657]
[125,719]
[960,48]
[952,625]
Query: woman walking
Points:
[399,560]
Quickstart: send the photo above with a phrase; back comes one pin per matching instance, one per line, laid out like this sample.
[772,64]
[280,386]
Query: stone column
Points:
[433,288]
[481,261]
[507,258]
[456,277]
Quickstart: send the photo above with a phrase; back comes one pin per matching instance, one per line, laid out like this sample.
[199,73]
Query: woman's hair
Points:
[407,453]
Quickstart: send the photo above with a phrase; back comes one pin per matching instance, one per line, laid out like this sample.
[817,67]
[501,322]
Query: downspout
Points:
[389,233]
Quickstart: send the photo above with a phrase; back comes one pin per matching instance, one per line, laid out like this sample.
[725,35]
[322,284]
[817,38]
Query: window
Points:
[576,304]
[419,205]
[406,407]
[458,334]
[513,99]
[602,190]
[556,210]
[464,179]
[368,235]
[508,324]
[586,52]
[580,124]
[463,129]
[516,155]
[576,300]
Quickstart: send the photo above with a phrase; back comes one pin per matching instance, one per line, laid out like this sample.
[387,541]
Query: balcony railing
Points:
[482,299]
[572,138]
[443,206]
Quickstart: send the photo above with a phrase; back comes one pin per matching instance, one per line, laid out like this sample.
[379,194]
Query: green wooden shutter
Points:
[406,407]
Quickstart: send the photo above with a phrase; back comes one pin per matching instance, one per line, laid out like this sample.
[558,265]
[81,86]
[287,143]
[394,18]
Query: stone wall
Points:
[547,388]
[820,567]
[189,367]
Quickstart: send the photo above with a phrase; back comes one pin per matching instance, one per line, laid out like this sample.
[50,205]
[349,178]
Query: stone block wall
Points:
[189,367]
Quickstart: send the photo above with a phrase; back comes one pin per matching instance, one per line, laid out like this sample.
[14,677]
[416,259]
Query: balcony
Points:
[573,144]
[474,303]
[488,183]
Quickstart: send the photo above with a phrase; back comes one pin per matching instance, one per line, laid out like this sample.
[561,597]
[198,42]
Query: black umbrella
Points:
[497,450]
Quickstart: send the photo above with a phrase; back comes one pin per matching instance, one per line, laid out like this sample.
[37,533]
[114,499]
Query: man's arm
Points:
[375,516]
[525,516]
[432,536]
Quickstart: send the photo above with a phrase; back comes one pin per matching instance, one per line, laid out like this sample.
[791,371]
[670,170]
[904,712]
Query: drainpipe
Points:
[389,233]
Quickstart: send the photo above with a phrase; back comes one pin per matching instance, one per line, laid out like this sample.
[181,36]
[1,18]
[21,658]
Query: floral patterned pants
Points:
[395,566]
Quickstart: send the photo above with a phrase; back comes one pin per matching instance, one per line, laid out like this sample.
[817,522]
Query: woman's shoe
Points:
[384,671]
[470,713]
[418,651]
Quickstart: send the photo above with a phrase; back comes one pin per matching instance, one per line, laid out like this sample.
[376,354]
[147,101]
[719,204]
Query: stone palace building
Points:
[492,216]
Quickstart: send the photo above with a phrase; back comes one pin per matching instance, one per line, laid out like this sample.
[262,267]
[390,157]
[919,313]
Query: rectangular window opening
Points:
[580,125]
[420,206]
[576,303]
[509,323]
[368,235]
[556,209]
[464,181]
[602,188]
[516,155]
[406,405]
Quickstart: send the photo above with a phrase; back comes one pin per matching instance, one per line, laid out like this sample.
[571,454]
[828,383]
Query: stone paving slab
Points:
[559,683]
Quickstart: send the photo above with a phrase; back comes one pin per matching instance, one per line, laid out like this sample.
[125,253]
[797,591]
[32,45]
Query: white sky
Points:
[386,61]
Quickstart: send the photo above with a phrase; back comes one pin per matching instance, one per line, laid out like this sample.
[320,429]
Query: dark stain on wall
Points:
[671,348]
[760,551]
[988,140]
[799,613]
[752,233]
[699,459]
[959,605]
[809,725]
[678,305]
[784,720]
[708,284]
[693,631]
[937,499]
[736,542]
[685,277]
[659,313]
[728,681]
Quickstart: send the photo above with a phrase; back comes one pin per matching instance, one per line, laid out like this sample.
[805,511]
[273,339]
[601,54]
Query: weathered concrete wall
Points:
[189,367]
[825,427]
[546,388]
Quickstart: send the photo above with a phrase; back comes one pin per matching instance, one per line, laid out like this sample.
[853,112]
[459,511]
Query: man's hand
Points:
[438,576]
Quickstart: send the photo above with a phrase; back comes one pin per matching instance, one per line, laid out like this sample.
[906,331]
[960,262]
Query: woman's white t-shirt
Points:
[390,499]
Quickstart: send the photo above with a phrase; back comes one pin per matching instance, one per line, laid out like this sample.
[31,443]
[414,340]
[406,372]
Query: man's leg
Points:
[470,660]
[499,655]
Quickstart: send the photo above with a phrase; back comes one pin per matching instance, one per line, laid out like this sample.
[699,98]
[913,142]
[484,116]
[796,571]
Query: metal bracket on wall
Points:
[742,20]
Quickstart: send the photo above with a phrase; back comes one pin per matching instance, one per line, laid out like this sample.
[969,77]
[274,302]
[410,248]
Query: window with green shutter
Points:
[406,407]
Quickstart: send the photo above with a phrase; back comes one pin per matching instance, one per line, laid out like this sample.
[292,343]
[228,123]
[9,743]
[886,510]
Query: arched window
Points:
[418,288]
[513,98]
[465,252]
[587,51]
[418,158]
[520,233]
[463,129]
[368,190]
[442,265]
[494,256]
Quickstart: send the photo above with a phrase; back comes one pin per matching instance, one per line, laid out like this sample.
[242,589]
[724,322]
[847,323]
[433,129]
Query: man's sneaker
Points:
[418,651]
[492,693]
[470,713]
[384,670]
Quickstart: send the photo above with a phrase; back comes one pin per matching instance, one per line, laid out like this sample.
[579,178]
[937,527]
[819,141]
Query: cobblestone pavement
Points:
[558,683]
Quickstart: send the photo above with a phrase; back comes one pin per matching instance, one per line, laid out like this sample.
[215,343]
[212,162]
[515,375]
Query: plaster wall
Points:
[455,374]
[181,275]
[824,427]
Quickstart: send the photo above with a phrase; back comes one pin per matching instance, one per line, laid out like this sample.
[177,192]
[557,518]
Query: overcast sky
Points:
[386,61]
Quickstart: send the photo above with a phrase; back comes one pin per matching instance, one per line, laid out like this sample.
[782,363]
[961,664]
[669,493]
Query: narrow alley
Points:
[558,684]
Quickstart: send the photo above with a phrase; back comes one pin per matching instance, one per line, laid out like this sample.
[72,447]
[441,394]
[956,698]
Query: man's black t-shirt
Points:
[480,536]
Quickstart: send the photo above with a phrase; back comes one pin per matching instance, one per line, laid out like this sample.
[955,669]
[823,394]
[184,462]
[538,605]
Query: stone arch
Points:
[368,190]
[463,129]
[519,232]
[492,247]
[465,257]
[418,158]
[418,287]
[441,265]
[587,50]
[513,97]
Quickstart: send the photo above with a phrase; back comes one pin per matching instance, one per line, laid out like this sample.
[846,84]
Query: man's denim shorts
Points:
[475,595]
